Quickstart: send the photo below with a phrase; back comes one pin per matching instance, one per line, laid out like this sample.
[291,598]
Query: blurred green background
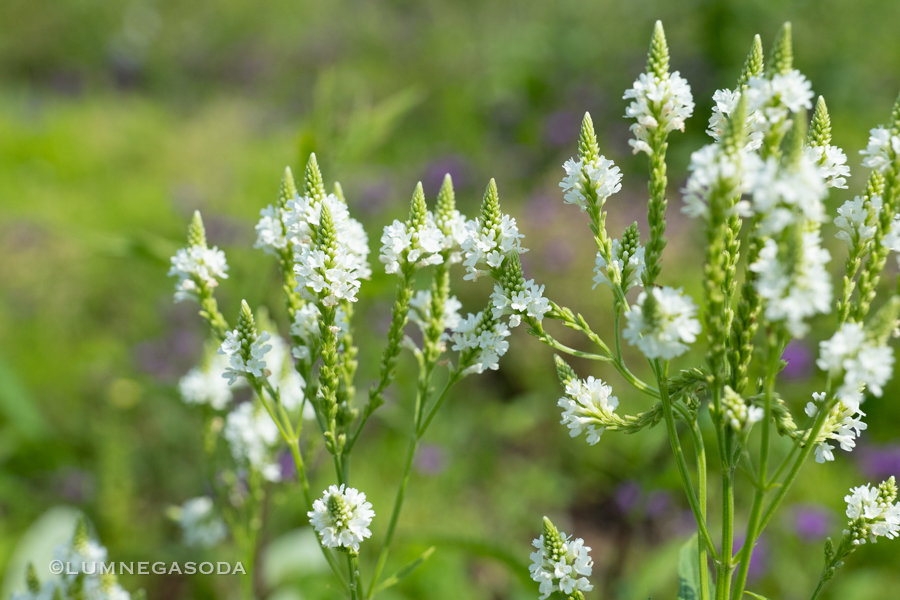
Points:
[118,119]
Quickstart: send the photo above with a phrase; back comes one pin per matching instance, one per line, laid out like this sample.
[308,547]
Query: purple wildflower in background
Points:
[287,465]
[627,496]
[456,165]
[799,359]
[431,459]
[811,522]
[658,503]
[759,562]
[561,128]
[879,462]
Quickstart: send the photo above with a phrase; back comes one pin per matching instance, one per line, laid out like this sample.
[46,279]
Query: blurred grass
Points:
[117,120]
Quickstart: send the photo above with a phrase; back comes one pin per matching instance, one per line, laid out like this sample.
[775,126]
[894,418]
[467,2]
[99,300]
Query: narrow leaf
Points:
[404,572]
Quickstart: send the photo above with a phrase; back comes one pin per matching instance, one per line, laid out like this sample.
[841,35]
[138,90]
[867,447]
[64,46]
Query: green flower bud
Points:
[196,231]
[288,188]
[564,371]
[782,56]
[588,149]
[658,57]
[754,65]
[820,128]
[313,185]
[418,211]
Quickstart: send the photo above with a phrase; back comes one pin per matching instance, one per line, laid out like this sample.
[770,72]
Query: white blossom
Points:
[796,292]
[420,311]
[195,266]
[667,333]
[854,220]
[785,195]
[401,245]
[739,414]
[833,163]
[863,364]
[285,379]
[529,301]
[489,246]
[305,328]
[587,405]
[754,125]
[454,224]
[773,100]
[207,385]
[658,104]
[873,512]
[271,231]
[562,567]
[714,171]
[634,261]
[252,436]
[200,525]
[485,335]
[883,149]
[602,175]
[342,517]
[843,425]
[243,361]
[335,275]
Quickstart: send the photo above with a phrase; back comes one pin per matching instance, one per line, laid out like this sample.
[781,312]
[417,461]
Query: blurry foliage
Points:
[118,119]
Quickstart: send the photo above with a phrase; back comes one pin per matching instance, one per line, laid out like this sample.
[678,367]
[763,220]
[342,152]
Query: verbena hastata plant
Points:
[759,190]
[304,385]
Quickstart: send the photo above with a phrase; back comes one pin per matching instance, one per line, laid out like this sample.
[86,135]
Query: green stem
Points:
[353,570]
[746,554]
[702,555]
[662,371]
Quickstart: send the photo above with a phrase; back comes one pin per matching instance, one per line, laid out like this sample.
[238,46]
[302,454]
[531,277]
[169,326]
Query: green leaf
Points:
[689,570]
[757,596]
[404,572]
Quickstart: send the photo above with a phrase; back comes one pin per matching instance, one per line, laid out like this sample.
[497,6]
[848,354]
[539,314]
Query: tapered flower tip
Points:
[81,537]
[418,211]
[563,371]
[658,57]
[490,205]
[32,580]
[339,192]
[288,187]
[754,64]
[314,186]
[196,231]
[820,127]
[895,117]
[588,149]
[782,59]
[796,138]
[446,201]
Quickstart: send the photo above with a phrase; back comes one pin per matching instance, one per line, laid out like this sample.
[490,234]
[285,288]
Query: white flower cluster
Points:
[243,361]
[454,224]
[306,328]
[197,266]
[320,275]
[843,424]
[794,292]
[769,104]
[667,333]
[863,364]
[252,436]
[82,577]
[726,101]
[600,174]
[271,230]
[528,301]
[713,170]
[200,526]
[873,512]
[857,223]
[621,259]
[740,415]
[658,104]
[563,566]
[420,311]
[486,335]
[342,517]
[207,385]
[833,163]
[586,406]
[883,149]
[489,246]
[402,244]
[285,379]
[785,195]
